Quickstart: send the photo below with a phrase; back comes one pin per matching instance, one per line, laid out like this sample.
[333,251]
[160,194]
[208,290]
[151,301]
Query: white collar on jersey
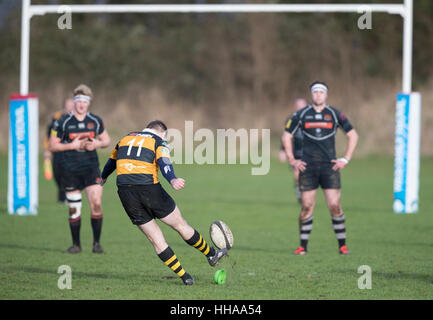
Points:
[325,107]
[152,131]
[149,130]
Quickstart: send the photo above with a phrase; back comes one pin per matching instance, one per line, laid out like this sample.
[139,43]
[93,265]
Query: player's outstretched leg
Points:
[74,203]
[213,256]
[164,252]
[193,237]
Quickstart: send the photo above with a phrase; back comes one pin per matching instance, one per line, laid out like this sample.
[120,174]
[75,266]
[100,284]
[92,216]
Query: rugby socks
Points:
[74,203]
[96,222]
[305,230]
[75,227]
[200,244]
[339,225]
[170,260]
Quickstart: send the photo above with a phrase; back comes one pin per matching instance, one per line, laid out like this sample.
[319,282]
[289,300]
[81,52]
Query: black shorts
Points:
[71,181]
[143,203]
[319,174]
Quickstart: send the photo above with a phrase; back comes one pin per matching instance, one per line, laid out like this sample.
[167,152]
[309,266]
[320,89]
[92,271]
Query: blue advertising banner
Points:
[407,149]
[22,155]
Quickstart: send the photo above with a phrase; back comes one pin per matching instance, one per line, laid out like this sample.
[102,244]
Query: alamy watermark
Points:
[364,281]
[365,20]
[225,146]
[65,20]
[65,280]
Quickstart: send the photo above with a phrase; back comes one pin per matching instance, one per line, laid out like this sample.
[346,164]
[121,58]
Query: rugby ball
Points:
[221,235]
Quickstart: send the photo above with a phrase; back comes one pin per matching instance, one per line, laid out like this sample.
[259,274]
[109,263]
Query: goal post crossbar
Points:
[218,8]
[405,10]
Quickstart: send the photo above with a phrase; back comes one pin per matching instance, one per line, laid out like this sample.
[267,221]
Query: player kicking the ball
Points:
[319,165]
[137,158]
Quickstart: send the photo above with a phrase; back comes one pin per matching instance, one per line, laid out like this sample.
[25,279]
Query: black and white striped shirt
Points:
[319,130]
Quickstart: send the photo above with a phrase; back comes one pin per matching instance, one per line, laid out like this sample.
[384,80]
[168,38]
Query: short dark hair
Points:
[318,82]
[157,124]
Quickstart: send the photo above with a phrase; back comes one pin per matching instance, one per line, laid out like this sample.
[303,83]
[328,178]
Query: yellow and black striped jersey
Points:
[137,156]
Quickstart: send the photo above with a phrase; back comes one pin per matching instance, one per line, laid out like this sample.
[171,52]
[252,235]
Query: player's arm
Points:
[287,140]
[110,165]
[168,172]
[101,141]
[164,163]
[56,145]
[55,142]
[352,141]
[291,126]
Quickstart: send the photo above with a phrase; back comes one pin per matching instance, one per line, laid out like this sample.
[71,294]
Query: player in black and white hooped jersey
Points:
[319,165]
[75,137]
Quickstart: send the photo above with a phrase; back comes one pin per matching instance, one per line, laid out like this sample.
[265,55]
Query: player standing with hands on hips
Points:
[137,158]
[76,136]
[319,165]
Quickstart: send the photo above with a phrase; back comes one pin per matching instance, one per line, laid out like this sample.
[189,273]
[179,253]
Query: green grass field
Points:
[262,213]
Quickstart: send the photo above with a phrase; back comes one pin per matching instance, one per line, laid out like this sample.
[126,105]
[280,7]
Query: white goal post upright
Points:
[405,10]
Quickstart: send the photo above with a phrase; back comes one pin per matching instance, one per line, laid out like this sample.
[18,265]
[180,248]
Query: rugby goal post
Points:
[406,166]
